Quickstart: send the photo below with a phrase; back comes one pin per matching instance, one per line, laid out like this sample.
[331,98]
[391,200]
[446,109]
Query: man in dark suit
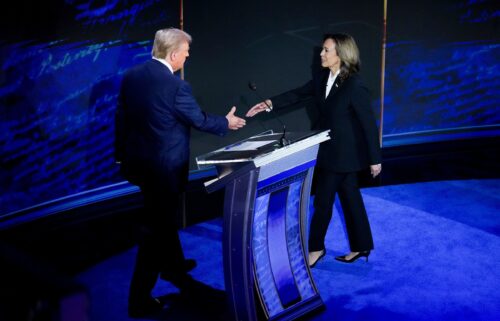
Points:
[155,113]
[343,105]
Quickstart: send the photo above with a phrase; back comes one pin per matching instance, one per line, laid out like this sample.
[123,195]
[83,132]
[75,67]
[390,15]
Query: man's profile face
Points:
[180,56]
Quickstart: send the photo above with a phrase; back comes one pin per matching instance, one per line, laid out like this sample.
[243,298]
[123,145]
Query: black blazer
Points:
[156,110]
[348,114]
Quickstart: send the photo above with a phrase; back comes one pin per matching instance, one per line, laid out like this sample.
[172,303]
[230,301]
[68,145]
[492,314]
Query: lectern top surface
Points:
[250,148]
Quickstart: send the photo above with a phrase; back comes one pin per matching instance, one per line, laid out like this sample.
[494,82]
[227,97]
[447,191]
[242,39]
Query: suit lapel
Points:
[335,87]
[324,80]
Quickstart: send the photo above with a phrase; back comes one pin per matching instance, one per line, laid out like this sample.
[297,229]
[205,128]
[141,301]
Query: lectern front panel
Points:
[279,261]
[266,202]
[278,248]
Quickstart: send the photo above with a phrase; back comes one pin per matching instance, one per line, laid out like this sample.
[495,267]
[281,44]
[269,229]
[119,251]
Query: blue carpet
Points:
[435,258]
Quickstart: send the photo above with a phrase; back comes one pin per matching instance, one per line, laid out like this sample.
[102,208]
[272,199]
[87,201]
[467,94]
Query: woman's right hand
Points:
[260,107]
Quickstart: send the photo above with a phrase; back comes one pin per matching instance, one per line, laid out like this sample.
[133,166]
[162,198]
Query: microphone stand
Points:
[283,141]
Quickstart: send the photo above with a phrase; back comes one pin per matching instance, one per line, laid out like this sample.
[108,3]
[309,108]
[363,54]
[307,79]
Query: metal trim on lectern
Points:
[265,223]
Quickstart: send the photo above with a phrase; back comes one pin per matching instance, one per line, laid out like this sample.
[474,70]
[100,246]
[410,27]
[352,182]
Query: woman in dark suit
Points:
[343,104]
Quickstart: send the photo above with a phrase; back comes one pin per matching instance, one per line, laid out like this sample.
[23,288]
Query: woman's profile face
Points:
[329,58]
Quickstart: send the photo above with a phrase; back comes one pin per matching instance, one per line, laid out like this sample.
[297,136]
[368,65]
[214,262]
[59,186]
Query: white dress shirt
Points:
[330,82]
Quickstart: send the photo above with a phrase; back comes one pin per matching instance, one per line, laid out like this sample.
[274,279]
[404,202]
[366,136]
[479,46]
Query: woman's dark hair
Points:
[348,52]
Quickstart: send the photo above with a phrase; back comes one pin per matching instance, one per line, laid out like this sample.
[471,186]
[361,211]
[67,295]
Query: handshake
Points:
[235,122]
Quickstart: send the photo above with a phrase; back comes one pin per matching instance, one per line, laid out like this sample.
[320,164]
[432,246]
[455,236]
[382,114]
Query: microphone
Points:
[283,140]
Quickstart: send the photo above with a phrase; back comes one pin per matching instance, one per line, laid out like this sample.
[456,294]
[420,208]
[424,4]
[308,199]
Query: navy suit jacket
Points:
[156,110]
[347,113]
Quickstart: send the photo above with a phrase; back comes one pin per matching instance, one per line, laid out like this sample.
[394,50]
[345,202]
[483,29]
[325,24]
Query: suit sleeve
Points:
[360,99]
[187,109]
[294,96]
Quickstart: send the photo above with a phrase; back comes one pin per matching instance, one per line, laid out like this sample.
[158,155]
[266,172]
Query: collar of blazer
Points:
[335,87]
[164,63]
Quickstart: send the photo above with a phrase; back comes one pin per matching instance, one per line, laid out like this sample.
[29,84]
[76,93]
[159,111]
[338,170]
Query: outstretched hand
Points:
[234,122]
[260,107]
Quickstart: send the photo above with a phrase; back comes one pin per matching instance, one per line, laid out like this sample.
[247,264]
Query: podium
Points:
[266,202]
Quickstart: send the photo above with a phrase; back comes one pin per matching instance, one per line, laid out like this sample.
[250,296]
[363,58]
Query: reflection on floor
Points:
[435,258]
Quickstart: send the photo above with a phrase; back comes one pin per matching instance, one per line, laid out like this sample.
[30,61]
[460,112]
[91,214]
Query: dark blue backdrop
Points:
[61,64]
[58,91]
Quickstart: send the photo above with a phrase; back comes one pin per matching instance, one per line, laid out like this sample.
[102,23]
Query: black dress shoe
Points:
[354,258]
[182,282]
[189,264]
[138,308]
[312,264]
[199,292]
[202,297]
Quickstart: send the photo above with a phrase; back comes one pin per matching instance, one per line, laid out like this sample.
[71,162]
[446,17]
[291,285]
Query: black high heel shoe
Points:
[354,258]
[317,260]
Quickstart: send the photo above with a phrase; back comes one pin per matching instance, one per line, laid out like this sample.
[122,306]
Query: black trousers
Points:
[159,248]
[328,184]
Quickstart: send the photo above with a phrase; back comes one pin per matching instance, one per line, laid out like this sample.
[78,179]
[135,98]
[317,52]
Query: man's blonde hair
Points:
[168,40]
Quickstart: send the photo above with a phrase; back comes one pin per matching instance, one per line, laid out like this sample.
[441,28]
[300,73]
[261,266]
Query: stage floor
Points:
[435,258]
